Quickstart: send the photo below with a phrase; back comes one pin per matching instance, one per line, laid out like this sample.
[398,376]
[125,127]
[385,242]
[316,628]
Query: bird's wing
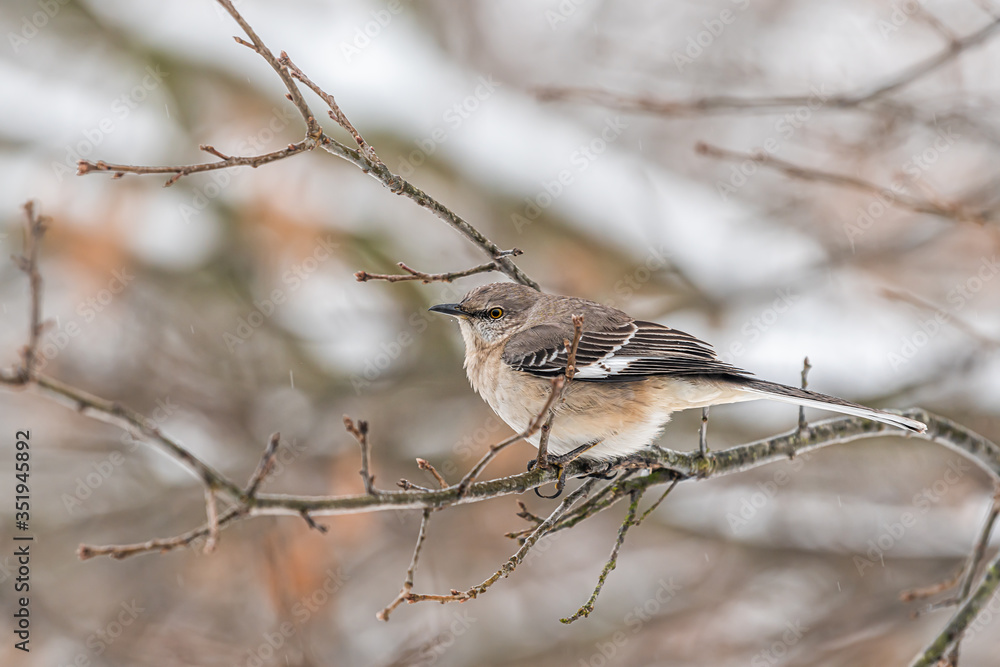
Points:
[619,352]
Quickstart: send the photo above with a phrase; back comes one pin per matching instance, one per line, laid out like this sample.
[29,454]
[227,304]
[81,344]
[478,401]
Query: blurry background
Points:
[793,564]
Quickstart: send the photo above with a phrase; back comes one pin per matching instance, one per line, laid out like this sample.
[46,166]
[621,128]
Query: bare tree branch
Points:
[263,467]
[727,104]
[360,433]
[952,634]
[34,228]
[364,158]
[612,563]
[408,582]
[413,274]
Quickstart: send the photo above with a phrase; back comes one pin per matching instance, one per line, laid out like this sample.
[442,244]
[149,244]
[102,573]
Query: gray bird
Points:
[631,375]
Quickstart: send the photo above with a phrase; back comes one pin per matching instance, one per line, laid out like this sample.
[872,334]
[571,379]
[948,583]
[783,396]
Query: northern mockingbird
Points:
[631,375]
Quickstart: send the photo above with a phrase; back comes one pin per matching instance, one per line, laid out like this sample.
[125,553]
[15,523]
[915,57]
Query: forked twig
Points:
[360,433]
[588,606]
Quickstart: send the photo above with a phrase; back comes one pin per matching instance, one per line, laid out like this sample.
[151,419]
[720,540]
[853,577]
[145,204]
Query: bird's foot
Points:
[559,463]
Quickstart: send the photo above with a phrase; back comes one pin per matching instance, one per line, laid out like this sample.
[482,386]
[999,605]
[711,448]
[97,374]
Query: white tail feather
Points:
[855,410]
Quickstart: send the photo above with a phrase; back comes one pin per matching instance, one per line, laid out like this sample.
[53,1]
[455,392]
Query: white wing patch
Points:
[606,367]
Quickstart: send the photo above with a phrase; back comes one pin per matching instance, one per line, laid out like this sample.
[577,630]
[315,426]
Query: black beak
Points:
[452,309]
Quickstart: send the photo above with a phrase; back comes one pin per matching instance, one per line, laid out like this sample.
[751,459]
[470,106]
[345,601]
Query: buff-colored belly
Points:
[621,417]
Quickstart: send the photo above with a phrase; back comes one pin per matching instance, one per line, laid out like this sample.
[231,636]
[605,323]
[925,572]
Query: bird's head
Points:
[493,312]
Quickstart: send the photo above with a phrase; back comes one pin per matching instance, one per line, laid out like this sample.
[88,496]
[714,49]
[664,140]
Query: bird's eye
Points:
[495,313]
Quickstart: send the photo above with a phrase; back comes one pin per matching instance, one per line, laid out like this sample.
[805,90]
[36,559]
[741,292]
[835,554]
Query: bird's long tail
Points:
[813,399]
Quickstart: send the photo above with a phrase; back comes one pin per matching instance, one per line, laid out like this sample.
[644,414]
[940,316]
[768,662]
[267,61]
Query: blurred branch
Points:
[662,466]
[950,210]
[34,228]
[727,104]
[629,521]
[956,321]
[949,638]
[364,158]
[413,274]
[360,433]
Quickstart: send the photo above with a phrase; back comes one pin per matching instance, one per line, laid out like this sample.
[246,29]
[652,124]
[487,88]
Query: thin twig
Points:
[980,549]
[35,225]
[311,522]
[84,167]
[263,466]
[508,567]
[806,366]
[425,465]
[294,94]
[163,545]
[408,582]
[413,274]
[703,432]
[931,590]
[532,428]
[571,348]
[212,511]
[658,501]
[612,563]
[360,433]
[335,112]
